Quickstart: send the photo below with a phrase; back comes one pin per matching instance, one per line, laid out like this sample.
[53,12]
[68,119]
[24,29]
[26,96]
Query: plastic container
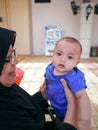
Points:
[19,75]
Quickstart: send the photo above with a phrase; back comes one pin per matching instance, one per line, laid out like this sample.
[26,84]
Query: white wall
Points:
[58,12]
[94,37]
[95,31]
[30,27]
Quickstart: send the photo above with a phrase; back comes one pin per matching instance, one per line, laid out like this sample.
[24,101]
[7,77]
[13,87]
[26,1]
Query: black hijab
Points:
[7,38]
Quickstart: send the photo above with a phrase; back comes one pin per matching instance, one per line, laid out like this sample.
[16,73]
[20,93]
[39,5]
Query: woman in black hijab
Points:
[19,110]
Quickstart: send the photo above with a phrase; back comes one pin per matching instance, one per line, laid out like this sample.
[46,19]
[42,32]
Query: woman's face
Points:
[8,75]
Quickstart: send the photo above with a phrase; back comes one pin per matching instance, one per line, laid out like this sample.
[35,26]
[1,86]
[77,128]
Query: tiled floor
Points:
[34,67]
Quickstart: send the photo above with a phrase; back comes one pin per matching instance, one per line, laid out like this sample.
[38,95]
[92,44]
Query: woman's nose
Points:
[14,61]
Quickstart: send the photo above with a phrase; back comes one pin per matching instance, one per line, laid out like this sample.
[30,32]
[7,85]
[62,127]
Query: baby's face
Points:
[66,56]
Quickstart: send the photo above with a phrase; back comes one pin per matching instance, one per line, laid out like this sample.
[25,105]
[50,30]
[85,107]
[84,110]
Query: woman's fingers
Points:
[70,116]
[67,91]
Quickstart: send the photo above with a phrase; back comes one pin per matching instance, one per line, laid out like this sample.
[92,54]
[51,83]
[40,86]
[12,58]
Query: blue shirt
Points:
[55,92]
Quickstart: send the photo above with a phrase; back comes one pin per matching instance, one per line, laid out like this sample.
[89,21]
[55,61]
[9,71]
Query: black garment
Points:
[20,111]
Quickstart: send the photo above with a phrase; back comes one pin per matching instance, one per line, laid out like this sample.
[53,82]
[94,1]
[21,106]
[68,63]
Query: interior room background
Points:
[29,20]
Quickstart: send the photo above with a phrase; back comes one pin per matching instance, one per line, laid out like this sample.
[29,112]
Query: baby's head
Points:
[70,43]
[67,53]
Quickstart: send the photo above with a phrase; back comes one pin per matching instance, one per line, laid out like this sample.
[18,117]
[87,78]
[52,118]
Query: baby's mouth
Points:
[61,66]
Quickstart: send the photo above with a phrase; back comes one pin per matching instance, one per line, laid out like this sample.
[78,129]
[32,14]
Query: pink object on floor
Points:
[19,75]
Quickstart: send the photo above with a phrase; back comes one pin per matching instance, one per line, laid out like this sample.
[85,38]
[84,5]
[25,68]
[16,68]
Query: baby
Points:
[66,56]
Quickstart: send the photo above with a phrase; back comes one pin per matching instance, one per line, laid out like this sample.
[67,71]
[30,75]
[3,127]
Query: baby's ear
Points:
[78,61]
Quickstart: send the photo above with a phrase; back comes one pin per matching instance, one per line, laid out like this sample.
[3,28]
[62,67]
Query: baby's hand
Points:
[43,90]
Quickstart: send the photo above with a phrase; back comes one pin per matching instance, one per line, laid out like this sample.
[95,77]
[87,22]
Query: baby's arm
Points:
[43,90]
[85,110]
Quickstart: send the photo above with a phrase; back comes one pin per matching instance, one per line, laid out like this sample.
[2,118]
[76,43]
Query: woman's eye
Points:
[7,60]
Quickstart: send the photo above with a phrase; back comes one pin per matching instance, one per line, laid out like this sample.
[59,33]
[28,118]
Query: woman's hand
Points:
[83,125]
[71,107]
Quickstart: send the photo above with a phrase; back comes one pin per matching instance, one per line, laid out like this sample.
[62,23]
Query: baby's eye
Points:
[59,54]
[70,57]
